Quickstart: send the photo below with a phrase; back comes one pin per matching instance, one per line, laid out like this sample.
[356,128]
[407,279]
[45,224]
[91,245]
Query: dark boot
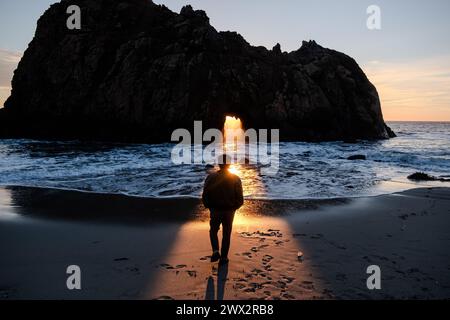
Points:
[215,256]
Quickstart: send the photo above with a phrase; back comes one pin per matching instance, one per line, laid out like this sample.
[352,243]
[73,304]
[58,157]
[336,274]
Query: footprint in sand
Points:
[280,284]
[170,267]
[246,234]
[287,296]
[165,298]
[255,285]
[328,293]
[259,234]
[256,249]
[120,259]
[239,286]
[257,271]
[287,279]
[307,285]
[192,273]
[267,258]
[134,270]
[299,235]
[341,247]
[268,268]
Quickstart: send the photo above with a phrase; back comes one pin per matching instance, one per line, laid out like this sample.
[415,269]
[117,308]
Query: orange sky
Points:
[417,90]
[8,63]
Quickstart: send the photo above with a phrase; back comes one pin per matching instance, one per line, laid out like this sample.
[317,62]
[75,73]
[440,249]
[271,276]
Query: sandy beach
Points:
[142,248]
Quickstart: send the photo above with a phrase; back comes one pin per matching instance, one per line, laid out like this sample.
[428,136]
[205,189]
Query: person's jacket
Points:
[223,190]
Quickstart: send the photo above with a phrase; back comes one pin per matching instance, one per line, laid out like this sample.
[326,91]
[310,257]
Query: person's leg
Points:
[227,226]
[214,225]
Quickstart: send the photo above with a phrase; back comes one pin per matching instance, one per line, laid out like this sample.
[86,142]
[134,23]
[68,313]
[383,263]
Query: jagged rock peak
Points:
[277,49]
[189,12]
[136,71]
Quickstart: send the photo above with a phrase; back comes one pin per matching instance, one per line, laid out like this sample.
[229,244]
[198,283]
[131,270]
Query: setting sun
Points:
[232,123]
[233,132]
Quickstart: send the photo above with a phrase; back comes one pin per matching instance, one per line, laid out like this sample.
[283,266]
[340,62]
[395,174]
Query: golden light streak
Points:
[233,133]
[234,144]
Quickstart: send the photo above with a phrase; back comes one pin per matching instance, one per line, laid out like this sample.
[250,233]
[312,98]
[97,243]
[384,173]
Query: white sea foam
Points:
[307,170]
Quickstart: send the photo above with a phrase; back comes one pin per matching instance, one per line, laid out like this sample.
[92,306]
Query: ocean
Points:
[306,170]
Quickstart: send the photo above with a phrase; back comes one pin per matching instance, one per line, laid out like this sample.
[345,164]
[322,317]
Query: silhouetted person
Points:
[223,195]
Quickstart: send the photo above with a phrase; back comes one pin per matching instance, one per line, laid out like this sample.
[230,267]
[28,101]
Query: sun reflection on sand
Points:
[186,272]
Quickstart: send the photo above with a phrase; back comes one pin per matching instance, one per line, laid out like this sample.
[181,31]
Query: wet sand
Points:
[135,248]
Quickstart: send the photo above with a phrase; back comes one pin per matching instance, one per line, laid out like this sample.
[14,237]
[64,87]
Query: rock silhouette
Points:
[136,71]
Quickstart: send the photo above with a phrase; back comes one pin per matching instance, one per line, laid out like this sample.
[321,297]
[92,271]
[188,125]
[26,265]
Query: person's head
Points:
[224,162]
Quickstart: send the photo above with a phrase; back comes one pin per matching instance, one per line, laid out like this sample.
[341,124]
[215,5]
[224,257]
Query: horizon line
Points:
[385,120]
[417,120]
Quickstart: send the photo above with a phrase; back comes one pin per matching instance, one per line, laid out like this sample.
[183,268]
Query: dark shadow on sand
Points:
[222,277]
[386,231]
[56,204]
[62,222]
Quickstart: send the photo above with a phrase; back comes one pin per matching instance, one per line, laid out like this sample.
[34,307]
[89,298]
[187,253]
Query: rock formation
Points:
[136,71]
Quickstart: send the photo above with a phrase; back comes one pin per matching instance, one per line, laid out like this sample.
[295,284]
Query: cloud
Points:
[413,90]
[8,63]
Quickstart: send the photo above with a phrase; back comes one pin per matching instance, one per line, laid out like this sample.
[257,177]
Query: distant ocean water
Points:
[307,170]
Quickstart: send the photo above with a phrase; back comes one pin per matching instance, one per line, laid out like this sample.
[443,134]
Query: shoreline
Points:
[411,185]
[132,248]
